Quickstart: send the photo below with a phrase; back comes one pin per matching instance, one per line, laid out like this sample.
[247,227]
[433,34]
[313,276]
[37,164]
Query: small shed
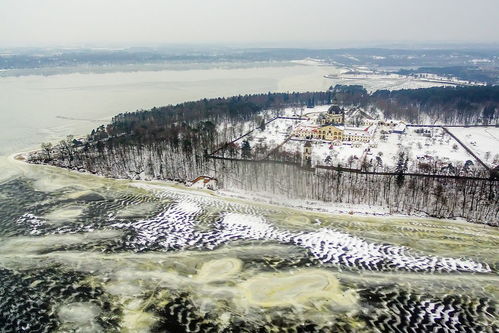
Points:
[205,182]
[399,128]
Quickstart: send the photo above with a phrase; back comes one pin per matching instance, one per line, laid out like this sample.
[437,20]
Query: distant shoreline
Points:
[146,67]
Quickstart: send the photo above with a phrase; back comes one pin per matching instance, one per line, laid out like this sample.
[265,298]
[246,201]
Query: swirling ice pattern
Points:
[390,310]
[386,309]
[395,310]
[175,229]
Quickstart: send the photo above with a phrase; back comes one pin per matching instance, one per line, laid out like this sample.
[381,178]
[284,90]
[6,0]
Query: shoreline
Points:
[162,66]
[311,206]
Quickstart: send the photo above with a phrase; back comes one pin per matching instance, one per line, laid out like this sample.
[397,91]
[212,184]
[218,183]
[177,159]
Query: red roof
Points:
[205,179]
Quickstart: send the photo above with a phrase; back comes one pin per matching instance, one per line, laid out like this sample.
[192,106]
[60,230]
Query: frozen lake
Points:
[38,108]
[90,254]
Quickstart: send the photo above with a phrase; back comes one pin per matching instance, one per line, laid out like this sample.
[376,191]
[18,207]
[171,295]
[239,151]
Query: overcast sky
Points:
[239,22]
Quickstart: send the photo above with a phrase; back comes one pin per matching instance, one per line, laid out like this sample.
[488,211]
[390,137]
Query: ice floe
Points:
[175,229]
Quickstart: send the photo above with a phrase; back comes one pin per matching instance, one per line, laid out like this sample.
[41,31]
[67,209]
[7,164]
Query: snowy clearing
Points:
[325,153]
[430,146]
[483,141]
[274,134]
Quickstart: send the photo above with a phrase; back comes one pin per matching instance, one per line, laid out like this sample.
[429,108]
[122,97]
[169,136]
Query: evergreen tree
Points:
[246,149]
[262,125]
[401,169]
[488,113]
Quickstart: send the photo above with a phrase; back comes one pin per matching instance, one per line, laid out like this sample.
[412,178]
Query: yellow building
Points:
[305,132]
[329,133]
[356,134]
[336,133]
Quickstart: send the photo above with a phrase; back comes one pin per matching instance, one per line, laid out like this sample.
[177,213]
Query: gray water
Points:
[80,253]
[39,108]
[35,109]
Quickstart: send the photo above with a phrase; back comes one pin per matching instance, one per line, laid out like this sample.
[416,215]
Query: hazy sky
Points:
[265,22]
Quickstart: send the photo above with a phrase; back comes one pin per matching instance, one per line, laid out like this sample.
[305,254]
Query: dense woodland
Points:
[442,105]
[174,143]
[475,200]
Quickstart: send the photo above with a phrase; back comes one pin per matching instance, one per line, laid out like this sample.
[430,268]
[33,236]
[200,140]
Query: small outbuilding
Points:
[205,182]
[399,128]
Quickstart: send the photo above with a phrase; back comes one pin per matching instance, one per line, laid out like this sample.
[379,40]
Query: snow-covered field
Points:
[324,153]
[344,155]
[432,146]
[483,141]
[427,149]
[389,82]
[304,112]
[264,140]
[293,146]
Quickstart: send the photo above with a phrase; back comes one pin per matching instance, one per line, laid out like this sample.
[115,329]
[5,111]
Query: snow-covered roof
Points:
[357,131]
[306,127]
[399,127]
[358,113]
[340,127]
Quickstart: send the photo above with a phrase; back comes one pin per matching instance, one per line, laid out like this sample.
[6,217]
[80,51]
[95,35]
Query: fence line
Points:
[358,171]
[349,170]
[429,125]
[240,137]
[467,149]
